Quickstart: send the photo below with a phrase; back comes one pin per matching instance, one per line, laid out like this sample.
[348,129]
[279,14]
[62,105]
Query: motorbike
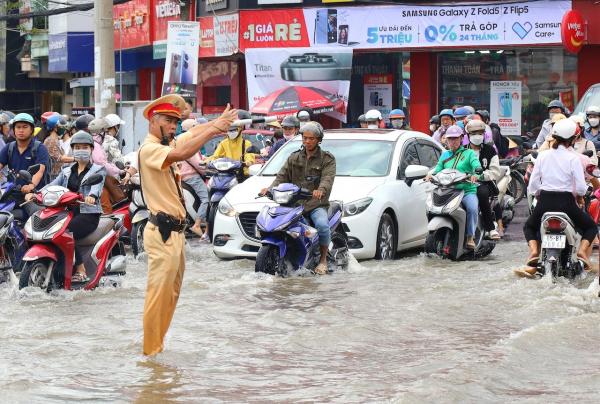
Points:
[288,244]
[138,214]
[447,218]
[506,201]
[517,187]
[48,263]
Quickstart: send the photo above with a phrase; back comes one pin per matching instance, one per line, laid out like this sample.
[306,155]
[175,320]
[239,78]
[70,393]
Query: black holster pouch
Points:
[165,224]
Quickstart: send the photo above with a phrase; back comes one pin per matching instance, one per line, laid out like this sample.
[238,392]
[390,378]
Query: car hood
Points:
[347,189]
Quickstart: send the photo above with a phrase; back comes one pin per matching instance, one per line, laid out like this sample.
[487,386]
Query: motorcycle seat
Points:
[334,206]
[104,226]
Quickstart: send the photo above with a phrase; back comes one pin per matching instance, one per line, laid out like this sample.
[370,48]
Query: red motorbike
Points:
[48,263]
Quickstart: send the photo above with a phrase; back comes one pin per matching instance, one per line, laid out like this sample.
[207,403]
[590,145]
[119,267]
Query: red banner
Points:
[162,12]
[273,29]
[207,37]
[132,21]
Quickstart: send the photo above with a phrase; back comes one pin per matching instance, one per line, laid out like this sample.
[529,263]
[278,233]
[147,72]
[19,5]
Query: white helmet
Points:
[470,108]
[475,125]
[114,120]
[580,121]
[565,129]
[303,116]
[373,115]
[188,124]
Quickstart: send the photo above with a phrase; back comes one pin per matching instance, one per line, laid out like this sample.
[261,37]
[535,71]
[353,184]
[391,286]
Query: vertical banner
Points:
[505,106]
[181,64]
[378,94]
[219,36]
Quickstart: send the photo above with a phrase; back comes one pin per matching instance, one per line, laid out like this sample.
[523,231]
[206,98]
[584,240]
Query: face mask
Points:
[552,115]
[594,122]
[432,128]
[61,131]
[372,127]
[397,123]
[461,124]
[82,156]
[445,126]
[290,137]
[232,134]
[476,139]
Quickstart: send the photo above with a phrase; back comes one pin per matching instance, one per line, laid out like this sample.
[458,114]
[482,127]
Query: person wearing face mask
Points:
[362,122]
[446,120]
[100,131]
[114,122]
[290,127]
[234,146]
[488,158]
[397,119]
[592,116]
[463,160]
[459,116]
[373,118]
[86,216]
[57,126]
[555,107]
[434,124]
[581,144]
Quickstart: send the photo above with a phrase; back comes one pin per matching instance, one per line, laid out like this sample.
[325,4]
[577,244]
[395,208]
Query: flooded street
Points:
[415,330]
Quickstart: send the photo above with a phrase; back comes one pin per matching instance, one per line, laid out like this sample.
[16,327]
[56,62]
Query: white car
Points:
[383,212]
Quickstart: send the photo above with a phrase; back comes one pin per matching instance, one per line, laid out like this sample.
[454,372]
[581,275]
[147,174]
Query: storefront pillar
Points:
[423,77]
[587,67]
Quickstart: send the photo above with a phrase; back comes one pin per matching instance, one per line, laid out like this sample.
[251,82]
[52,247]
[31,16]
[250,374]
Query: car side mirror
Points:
[25,176]
[93,179]
[33,170]
[415,172]
[254,169]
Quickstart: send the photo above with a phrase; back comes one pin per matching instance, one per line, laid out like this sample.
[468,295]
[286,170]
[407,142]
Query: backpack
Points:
[36,145]
[500,141]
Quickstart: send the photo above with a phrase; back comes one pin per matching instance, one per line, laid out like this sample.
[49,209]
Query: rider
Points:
[44,119]
[582,144]
[373,118]
[56,125]
[85,217]
[19,156]
[434,124]
[321,164]
[4,129]
[397,119]
[115,123]
[362,122]
[463,160]
[290,125]
[83,121]
[547,144]
[555,107]
[446,120]
[305,115]
[555,175]
[488,158]
[459,116]
[99,129]
[234,146]
[592,116]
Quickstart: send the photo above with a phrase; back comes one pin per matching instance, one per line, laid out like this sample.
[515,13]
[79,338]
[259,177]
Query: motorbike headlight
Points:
[54,229]
[445,179]
[51,198]
[226,209]
[356,207]
[282,197]
[222,165]
[450,206]
[28,228]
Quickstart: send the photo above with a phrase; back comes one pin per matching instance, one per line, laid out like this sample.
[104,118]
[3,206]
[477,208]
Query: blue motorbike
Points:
[12,240]
[225,177]
[288,243]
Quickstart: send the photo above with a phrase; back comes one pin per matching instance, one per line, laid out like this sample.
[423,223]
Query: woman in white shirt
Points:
[556,178]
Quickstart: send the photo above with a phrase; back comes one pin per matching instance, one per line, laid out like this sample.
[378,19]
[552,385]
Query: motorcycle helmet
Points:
[397,113]
[98,125]
[373,115]
[243,114]
[302,117]
[82,137]
[565,129]
[4,119]
[556,104]
[435,120]
[484,114]
[202,120]
[557,118]
[475,126]
[188,124]
[448,112]
[290,120]
[592,110]
[114,120]
[56,121]
[313,127]
[22,117]
[461,112]
[47,115]
[454,131]
[580,121]
[471,109]
[361,119]
[83,121]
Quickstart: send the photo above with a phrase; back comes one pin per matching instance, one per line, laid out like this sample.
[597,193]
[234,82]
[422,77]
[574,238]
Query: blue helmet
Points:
[556,104]
[22,117]
[54,121]
[397,113]
[446,111]
[461,112]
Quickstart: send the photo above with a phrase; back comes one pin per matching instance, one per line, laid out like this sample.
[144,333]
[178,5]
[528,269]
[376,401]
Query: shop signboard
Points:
[76,112]
[71,52]
[163,11]
[219,36]
[378,94]
[280,81]
[132,23]
[505,106]
[572,31]
[566,97]
[417,26]
[181,63]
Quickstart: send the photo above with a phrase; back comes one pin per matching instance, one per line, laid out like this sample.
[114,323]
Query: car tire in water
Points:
[268,260]
[212,212]
[385,248]
[34,274]
[137,237]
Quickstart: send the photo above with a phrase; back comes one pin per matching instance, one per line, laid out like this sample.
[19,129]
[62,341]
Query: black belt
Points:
[179,226]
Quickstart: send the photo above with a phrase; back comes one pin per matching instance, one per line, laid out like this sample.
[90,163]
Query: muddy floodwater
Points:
[413,330]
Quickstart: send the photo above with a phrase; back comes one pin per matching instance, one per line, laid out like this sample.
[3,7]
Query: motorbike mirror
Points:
[259,136]
[33,170]
[527,145]
[534,153]
[92,180]
[254,169]
[120,165]
[415,172]
[268,142]
[588,153]
[253,149]
[25,176]
[123,143]
[478,170]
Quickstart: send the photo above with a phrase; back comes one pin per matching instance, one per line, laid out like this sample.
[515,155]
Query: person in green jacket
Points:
[467,162]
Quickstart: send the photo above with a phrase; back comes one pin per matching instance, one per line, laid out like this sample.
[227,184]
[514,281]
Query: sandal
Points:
[79,277]
[321,269]
[199,232]
[523,273]
[584,261]
[532,262]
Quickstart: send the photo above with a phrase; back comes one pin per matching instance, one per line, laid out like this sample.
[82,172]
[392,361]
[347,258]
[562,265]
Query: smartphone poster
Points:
[181,63]
[505,106]
[378,94]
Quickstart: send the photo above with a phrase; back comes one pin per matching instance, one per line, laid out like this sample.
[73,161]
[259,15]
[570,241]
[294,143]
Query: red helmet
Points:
[47,115]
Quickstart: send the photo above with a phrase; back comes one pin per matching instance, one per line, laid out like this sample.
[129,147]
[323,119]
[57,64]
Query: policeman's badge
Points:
[176,104]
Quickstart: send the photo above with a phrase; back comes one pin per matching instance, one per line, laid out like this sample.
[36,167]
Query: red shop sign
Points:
[163,11]
[133,22]
[273,29]
[572,31]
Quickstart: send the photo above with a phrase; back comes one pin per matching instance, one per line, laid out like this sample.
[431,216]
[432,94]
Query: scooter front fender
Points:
[140,215]
[38,251]
[217,196]
[439,222]
[277,242]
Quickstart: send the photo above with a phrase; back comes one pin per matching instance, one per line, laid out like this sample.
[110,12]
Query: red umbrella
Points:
[290,99]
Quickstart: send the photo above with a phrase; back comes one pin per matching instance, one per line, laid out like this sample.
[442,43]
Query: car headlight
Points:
[51,198]
[282,197]
[28,228]
[356,207]
[232,183]
[445,179]
[226,209]
[450,206]
[54,229]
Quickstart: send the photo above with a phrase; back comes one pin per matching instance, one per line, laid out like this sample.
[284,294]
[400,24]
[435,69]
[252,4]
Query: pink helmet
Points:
[454,131]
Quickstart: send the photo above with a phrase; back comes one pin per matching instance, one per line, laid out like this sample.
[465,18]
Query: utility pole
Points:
[104,58]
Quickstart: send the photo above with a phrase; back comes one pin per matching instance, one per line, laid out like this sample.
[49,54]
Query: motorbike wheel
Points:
[435,244]
[34,274]
[386,239]
[551,267]
[137,237]
[211,220]
[268,260]
[339,244]
[518,186]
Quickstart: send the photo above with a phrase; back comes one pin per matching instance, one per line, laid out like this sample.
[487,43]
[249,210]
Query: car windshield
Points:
[591,97]
[353,158]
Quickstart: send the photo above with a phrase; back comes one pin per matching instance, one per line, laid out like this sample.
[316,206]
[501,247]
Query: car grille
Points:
[444,198]
[248,224]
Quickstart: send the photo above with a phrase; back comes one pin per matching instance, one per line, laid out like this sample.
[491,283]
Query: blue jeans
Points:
[321,222]
[201,190]
[471,204]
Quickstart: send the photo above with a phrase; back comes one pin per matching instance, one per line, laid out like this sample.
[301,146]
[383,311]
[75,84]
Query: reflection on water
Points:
[413,330]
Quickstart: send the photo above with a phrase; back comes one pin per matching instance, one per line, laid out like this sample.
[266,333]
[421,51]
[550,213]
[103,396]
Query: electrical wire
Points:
[55,11]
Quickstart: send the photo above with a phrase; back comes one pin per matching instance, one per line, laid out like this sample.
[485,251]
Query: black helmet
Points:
[243,114]
[361,119]
[435,119]
[83,121]
[311,114]
[313,127]
[556,104]
[290,120]
[82,137]
[484,114]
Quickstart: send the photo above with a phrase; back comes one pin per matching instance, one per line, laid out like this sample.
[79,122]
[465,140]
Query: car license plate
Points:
[554,241]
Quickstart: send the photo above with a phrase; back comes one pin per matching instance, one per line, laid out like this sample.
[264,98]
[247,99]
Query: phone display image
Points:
[505,105]
[187,68]
[344,36]
[175,74]
[326,26]
[315,67]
